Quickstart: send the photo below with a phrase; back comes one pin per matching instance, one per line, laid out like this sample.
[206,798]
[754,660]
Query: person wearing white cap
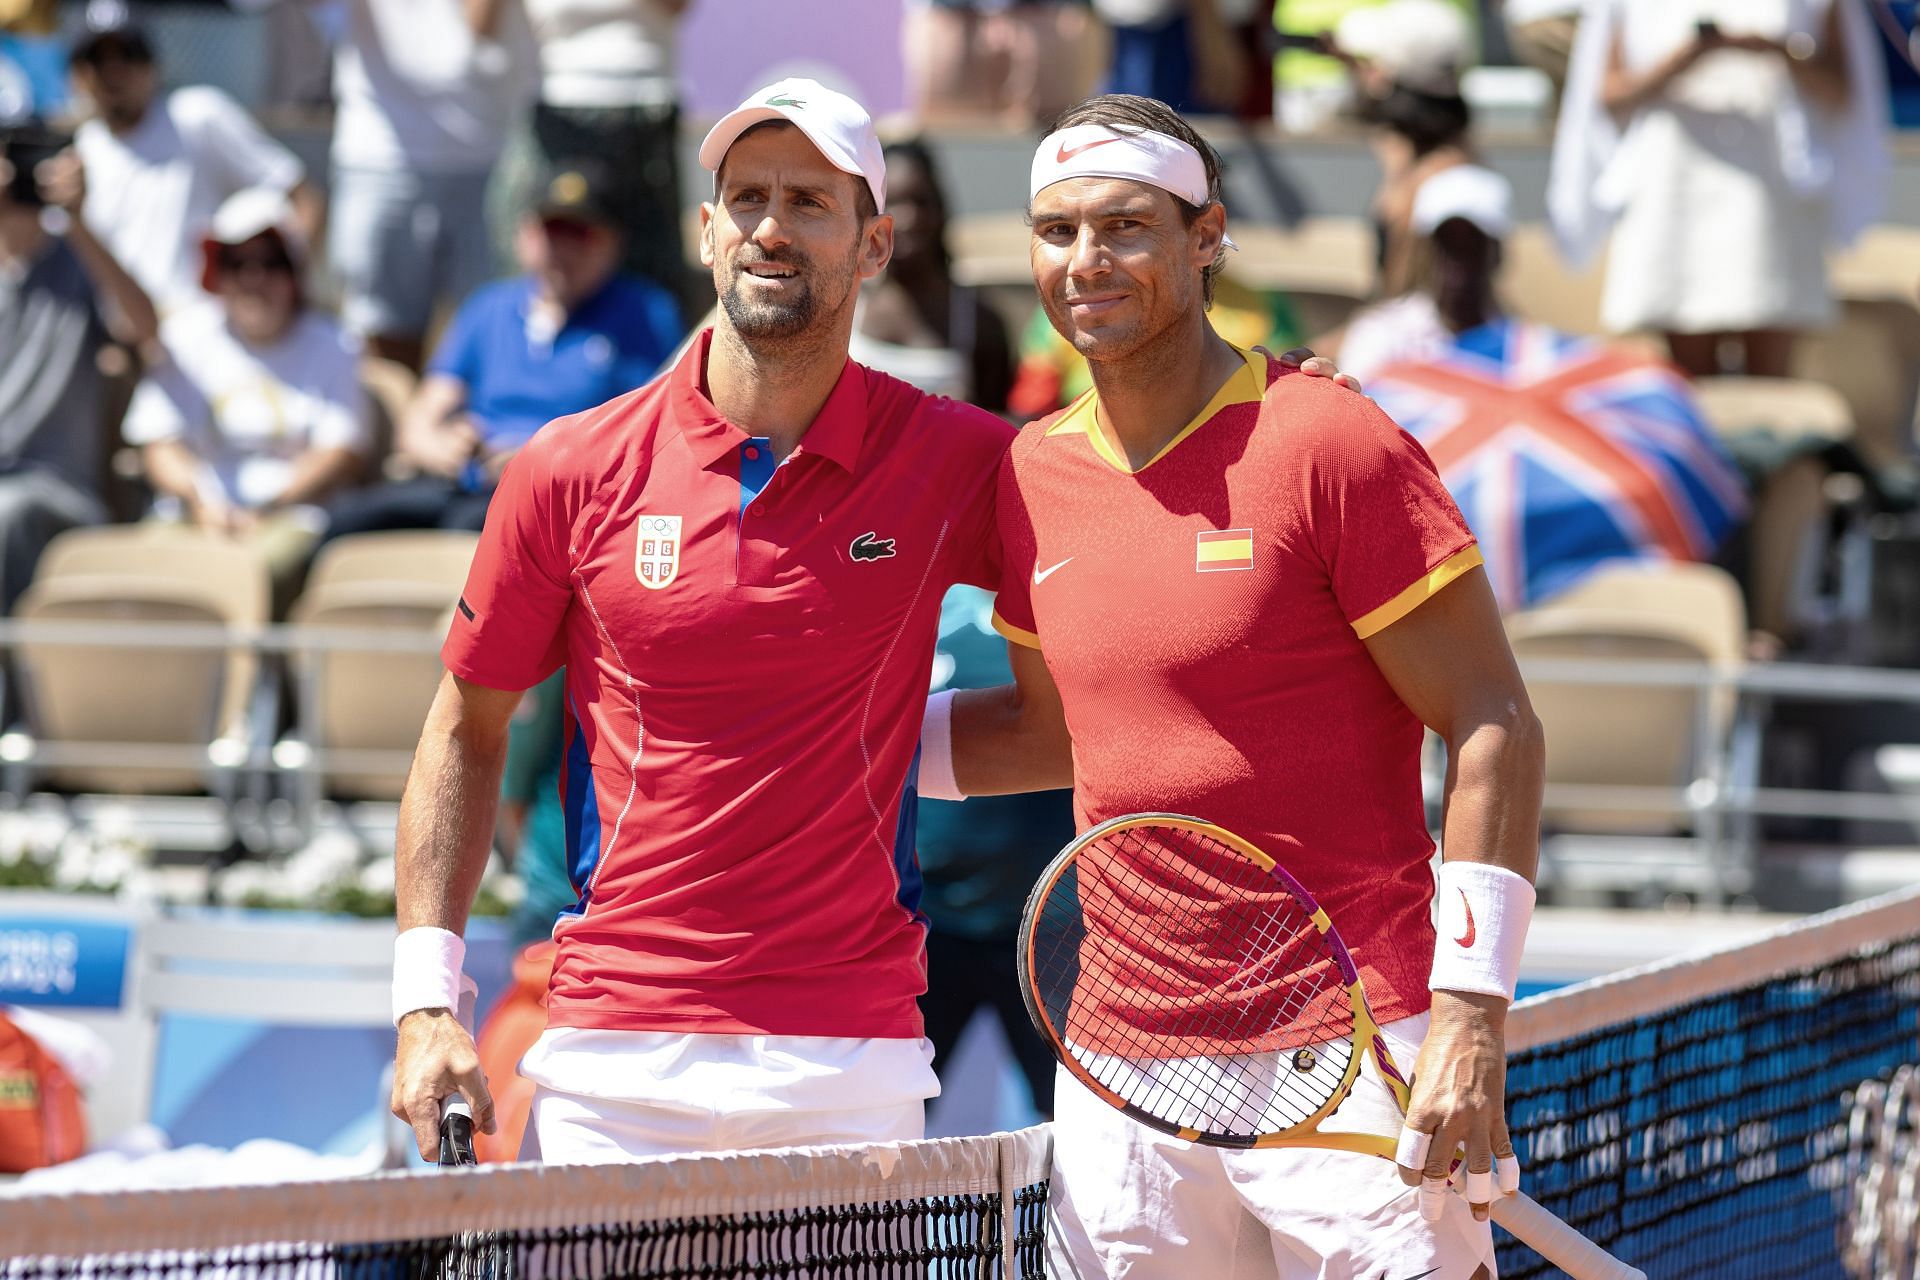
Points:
[1247,592]
[1459,218]
[256,416]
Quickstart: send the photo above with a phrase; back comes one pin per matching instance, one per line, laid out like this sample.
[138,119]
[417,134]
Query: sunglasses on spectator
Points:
[240,263]
[568,229]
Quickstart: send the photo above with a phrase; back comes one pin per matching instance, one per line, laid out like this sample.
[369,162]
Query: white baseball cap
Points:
[1467,191]
[1422,44]
[833,122]
[244,215]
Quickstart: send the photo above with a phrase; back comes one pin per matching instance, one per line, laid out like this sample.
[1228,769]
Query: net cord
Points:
[1650,989]
[412,1205]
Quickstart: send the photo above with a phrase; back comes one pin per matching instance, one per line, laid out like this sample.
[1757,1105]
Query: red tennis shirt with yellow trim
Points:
[748,651]
[1203,620]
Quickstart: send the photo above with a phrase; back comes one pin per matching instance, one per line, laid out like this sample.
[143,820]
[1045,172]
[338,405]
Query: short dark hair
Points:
[863,202]
[1428,121]
[1131,113]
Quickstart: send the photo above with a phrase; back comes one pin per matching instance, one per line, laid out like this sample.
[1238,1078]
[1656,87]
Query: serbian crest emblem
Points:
[656,553]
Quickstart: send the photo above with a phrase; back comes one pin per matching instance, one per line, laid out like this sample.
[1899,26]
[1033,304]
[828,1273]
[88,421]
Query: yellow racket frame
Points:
[1366,1035]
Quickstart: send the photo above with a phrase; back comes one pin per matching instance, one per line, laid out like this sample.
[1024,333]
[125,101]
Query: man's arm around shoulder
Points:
[440,852]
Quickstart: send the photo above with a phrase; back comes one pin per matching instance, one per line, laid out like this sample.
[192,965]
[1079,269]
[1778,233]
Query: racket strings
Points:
[1184,978]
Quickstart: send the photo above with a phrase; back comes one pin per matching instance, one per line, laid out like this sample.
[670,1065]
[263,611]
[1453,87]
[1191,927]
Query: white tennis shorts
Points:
[613,1096]
[1130,1203]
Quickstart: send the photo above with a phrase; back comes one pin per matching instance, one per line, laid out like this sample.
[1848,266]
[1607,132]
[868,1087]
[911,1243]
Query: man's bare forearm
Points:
[1014,737]
[1003,744]
[446,822]
[1496,772]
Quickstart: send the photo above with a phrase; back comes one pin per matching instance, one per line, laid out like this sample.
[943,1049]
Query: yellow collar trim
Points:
[1248,384]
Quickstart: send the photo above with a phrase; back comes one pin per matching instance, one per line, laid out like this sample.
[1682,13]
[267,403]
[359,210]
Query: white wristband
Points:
[426,971]
[936,781]
[1484,913]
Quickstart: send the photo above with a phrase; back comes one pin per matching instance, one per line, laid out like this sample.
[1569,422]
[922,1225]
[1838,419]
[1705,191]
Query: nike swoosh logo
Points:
[1067,153]
[1465,939]
[1422,1276]
[1041,575]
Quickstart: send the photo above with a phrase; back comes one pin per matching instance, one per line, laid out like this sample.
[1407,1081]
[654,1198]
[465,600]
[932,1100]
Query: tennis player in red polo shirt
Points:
[1245,592]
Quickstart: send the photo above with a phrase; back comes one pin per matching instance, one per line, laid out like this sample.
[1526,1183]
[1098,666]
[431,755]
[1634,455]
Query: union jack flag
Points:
[1564,454]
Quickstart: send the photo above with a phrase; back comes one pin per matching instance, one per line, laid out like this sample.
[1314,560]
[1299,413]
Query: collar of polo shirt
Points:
[837,434]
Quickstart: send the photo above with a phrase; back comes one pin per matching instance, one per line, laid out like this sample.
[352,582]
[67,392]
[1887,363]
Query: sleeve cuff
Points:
[1425,588]
[1019,635]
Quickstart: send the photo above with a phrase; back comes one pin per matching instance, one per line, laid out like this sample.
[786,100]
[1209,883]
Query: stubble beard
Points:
[769,323]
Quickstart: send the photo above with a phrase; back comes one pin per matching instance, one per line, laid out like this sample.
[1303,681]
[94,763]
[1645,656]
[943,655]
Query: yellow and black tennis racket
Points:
[1186,978]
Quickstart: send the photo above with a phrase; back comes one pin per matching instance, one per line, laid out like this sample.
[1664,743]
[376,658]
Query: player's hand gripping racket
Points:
[1184,977]
[472,1255]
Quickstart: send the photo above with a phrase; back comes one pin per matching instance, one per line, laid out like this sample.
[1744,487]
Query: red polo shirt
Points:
[748,650]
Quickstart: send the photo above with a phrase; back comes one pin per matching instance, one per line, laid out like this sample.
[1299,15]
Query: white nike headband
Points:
[1098,151]
[1141,155]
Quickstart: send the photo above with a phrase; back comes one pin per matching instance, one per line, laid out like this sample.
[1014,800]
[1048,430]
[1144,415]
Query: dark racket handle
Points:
[456,1132]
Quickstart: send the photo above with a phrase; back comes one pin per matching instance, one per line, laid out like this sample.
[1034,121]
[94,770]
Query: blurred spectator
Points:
[1458,220]
[569,334]
[1564,453]
[608,88]
[62,297]
[1313,76]
[1900,53]
[33,61]
[1726,144]
[1051,374]
[1541,34]
[159,164]
[1190,54]
[426,91]
[256,415]
[1408,57]
[978,859]
[914,321]
[1015,61]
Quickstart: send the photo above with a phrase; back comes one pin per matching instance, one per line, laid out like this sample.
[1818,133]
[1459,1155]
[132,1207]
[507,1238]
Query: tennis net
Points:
[972,1208]
[1744,1113]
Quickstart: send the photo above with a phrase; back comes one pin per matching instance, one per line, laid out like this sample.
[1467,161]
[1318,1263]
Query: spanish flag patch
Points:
[1216,550]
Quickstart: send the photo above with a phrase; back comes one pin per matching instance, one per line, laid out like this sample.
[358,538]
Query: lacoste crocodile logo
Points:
[868,547]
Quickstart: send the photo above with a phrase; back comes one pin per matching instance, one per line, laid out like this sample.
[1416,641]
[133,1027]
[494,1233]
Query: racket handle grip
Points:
[1557,1242]
[456,1131]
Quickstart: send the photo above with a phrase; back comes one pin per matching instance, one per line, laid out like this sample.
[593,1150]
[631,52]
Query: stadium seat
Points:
[117,703]
[1872,358]
[385,584]
[1788,409]
[1631,762]
[1537,284]
[389,386]
[1884,263]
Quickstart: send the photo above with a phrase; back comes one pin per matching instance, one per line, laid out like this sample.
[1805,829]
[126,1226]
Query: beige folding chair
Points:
[112,701]
[1537,284]
[1884,263]
[389,387]
[1629,761]
[363,709]
[1786,408]
[1872,359]
[991,249]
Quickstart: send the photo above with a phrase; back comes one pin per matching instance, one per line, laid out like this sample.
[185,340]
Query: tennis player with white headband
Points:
[1246,591]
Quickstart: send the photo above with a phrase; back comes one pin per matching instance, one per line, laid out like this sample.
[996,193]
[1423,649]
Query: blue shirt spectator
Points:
[568,335]
[516,369]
